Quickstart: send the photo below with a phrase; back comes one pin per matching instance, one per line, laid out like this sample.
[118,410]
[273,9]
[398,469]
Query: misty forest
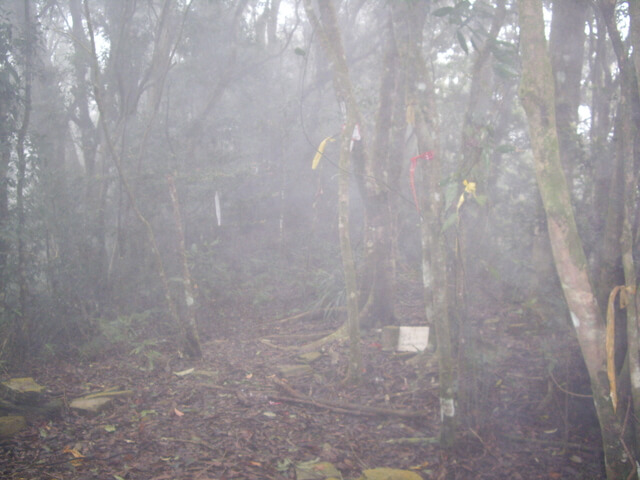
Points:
[319,239]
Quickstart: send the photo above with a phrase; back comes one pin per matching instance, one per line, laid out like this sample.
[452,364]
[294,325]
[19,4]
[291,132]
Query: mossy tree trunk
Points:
[537,96]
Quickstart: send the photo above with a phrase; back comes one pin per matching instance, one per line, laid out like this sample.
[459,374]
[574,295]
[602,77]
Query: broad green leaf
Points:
[505,148]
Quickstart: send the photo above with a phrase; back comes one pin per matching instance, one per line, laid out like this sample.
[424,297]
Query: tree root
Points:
[340,334]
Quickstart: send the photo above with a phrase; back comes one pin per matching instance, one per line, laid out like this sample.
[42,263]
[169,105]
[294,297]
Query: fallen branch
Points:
[350,408]
[269,343]
[339,334]
[298,335]
[552,443]
[309,313]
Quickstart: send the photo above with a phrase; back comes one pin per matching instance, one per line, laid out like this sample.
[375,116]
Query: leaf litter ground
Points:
[234,416]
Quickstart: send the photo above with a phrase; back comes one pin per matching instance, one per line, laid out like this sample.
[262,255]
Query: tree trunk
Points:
[378,273]
[472,232]
[22,327]
[421,93]
[566,41]
[189,325]
[537,96]
[626,142]
[332,43]
[566,47]
[192,349]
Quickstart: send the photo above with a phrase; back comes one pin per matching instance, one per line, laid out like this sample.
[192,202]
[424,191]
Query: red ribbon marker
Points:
[428,155]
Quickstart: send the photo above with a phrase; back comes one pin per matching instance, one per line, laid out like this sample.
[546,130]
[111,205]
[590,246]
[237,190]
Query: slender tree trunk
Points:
[192,349]
[537,95]
[332,43]
[605,190]
[29,40]
[472,231]
[190,333]
[566,47]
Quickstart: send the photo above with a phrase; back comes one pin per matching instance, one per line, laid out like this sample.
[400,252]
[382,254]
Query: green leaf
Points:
[505,148]
[299,51]
[441,12]
[449,221]
[462,42]
[109,428]
[503,71]
[481,199]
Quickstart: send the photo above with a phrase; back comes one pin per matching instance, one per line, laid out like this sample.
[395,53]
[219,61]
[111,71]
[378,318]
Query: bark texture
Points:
[410,20]
[537,96]
[327,26]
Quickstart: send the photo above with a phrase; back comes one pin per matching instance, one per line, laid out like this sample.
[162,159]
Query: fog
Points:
[159,209]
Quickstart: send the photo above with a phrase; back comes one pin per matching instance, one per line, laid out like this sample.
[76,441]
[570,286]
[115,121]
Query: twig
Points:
[580,395]
[413,441]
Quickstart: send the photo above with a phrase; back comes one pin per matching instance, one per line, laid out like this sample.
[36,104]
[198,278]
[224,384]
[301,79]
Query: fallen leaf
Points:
[178,412]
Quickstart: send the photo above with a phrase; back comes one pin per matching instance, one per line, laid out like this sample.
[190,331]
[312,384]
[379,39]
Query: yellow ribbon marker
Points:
[625,294]
[410,115]
[470,188]
[320,152]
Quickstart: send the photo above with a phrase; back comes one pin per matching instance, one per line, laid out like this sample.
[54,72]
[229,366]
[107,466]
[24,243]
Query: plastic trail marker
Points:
[428,155]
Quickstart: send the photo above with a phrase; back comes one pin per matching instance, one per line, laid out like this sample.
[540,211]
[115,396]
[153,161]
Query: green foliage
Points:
[134,334]
[328,291]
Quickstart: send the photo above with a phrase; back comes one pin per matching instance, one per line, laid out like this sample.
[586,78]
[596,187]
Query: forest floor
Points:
[236,417]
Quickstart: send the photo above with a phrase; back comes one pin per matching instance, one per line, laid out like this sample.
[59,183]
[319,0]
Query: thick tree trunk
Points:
[378,273]
[421,93]
[566,41]
[537,95]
